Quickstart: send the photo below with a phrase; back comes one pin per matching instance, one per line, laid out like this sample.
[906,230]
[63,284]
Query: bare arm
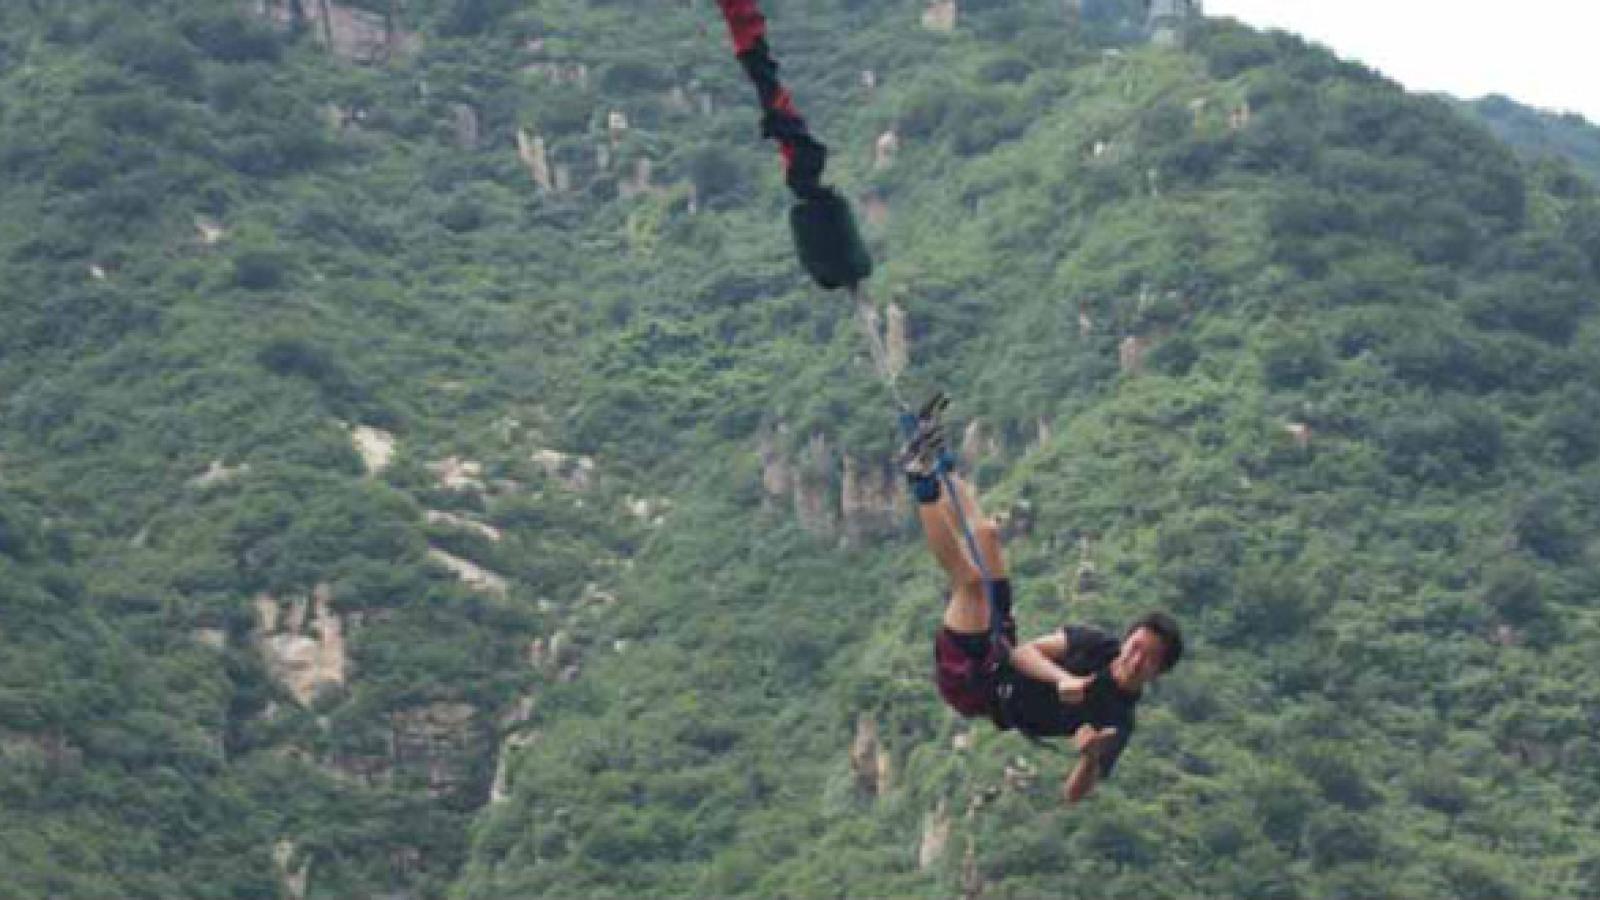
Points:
[1081,780]
[1086,774]
[1037,659]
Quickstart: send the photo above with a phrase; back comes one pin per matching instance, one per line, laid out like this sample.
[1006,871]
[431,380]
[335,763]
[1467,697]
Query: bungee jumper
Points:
[1078,682]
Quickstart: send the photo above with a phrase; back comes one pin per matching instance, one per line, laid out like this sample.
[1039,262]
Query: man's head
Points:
[1150,648]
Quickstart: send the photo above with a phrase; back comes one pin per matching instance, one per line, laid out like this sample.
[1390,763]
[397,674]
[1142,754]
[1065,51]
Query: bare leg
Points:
[968,609]
[984,530]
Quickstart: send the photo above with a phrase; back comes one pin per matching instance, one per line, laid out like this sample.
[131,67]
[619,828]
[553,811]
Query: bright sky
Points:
[1543,53]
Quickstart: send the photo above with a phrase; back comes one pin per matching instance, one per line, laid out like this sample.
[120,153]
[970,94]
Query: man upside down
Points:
[1077,682]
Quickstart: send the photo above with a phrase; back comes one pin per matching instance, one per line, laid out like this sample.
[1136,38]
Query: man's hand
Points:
[1072,688]
[1093,741]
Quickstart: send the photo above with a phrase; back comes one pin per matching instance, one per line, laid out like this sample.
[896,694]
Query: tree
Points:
[1544,526]
[1513,590]
[1437,787]
[1570,426]
[1449,441]
[720,176]
[1291,357]
[260,268]
[227,36]
[1337,837]
[1283,803]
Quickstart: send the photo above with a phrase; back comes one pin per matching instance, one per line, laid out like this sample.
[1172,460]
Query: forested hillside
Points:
[425,472]
[1541,133]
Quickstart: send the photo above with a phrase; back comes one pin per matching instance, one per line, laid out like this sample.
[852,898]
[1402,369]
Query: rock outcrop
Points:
[209,231]
[978,444]
[777,475]
[1130,354]
[971,875]
[1300,433]
[1085,578]
[935,836]
[869,759]
[437,741]
[356,35]
[453,520]
[870,499]
[50,747]
[616,126]
[642,181]
[884,150]
[1239,116]
[519,712]
[940,16]
[1043,433]
[813,483]
[471,574]
[576,74]
[531,150]
[647,510]
[464,120]
[304,650]
[501,788]
[375,446]
[457,474]
[217,474]
[1169,20]
[293,878]
[895,339]
[433,745]
[575,473]
[829,489]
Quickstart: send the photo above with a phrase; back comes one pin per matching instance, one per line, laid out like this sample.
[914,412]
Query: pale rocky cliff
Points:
[352,34]
[303,646]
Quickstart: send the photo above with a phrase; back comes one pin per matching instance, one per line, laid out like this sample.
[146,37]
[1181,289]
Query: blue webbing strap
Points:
[908,425]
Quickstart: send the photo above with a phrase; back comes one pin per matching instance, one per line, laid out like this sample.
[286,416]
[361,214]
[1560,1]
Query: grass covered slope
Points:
[1390,623]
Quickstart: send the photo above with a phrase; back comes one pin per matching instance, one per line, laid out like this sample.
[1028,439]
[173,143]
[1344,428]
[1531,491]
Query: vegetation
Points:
[1542,134]
[1357,456]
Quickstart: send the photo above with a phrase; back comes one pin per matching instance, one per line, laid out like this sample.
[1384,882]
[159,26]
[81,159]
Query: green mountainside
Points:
[1540,133]
[425,472]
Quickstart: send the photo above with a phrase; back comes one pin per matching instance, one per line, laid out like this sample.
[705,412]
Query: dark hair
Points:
[1166,628]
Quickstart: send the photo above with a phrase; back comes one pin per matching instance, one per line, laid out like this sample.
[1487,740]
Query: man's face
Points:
[1142,653]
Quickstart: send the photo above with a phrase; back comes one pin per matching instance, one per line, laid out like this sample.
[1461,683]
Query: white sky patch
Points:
[1543,53]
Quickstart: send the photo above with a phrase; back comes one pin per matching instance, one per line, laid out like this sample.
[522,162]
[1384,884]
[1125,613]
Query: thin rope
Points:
[867,319]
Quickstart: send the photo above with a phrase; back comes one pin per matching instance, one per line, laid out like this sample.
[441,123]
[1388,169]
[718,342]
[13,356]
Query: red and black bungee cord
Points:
[825,233]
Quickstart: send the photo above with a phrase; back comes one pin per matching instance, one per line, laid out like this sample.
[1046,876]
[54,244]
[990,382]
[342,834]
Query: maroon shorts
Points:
[964,670]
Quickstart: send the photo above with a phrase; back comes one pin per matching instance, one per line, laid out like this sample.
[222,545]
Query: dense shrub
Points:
[229,37]
[1291,357]
[465,18]
[160,56]
[1452,441]
[261,268]
[1513,590]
